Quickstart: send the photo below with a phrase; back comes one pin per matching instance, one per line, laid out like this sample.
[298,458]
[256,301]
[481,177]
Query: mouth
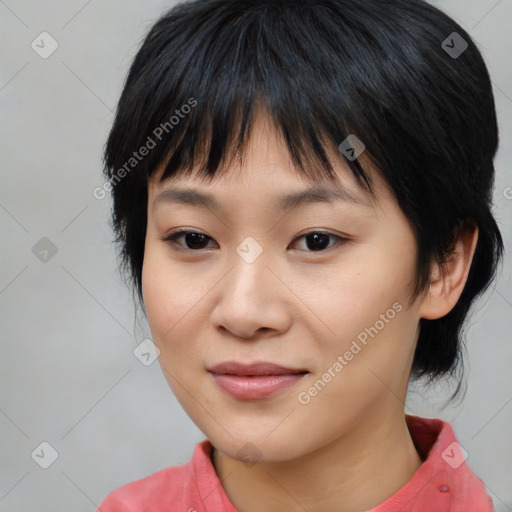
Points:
[255,381]
[254,369]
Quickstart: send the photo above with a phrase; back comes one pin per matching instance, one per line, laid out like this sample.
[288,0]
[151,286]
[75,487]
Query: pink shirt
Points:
[443,483]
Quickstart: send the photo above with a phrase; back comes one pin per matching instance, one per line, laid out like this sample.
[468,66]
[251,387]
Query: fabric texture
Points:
[443,483]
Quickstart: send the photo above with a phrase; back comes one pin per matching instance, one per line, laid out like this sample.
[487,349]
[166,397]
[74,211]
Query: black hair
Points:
[383,70]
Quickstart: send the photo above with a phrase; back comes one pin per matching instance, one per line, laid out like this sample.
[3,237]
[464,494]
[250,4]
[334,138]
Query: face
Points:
[321,288]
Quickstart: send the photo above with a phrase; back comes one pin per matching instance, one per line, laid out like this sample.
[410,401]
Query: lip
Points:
[254,381]
[253,369]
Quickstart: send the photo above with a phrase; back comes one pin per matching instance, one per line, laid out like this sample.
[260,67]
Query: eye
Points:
[319,240]
[192,238]
[316,241]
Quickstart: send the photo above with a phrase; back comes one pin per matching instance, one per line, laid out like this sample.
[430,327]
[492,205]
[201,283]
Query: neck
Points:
[357,471]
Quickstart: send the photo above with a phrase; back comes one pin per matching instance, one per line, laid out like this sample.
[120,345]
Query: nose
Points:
[252,301]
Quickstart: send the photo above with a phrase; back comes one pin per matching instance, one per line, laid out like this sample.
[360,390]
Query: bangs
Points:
[208,145]
[199,98]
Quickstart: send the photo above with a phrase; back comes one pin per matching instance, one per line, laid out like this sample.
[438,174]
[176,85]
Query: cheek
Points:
[164,292]
[158,299]
[366,304]
[173,299]
[357,294]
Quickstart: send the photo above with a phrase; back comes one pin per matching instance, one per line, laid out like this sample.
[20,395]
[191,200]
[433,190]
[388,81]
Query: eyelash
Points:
[171,238]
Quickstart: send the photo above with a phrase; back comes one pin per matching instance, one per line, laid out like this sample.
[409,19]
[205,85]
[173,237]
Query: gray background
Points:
[68,373]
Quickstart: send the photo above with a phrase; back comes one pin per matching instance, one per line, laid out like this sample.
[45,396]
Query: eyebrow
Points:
[317,194]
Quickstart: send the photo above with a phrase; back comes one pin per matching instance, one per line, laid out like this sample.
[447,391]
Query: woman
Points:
[247,133]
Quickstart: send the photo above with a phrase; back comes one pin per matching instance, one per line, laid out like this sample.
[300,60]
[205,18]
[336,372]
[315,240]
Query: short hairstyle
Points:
[322,70]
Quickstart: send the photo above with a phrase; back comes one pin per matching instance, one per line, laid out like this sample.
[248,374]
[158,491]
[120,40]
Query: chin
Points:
[257,447]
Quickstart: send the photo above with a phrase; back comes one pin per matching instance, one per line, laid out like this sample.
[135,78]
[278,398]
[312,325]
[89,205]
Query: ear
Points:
[449,278]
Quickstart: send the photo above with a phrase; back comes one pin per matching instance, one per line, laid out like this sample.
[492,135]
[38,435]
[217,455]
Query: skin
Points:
[348,448]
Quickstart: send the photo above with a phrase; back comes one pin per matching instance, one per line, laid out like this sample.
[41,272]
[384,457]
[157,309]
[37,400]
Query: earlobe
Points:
[449,277]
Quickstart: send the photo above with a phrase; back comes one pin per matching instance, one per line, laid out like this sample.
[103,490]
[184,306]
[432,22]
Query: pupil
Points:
[317,246]
[191,242]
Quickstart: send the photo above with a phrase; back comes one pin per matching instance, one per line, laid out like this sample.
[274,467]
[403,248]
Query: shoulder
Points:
[172,488]
[154,492]
[467,489]
[444,482]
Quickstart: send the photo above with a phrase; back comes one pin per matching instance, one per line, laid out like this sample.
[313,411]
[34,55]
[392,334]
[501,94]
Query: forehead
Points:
[281,197]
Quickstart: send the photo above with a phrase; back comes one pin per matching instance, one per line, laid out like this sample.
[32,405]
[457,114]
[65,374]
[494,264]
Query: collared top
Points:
[443,482]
